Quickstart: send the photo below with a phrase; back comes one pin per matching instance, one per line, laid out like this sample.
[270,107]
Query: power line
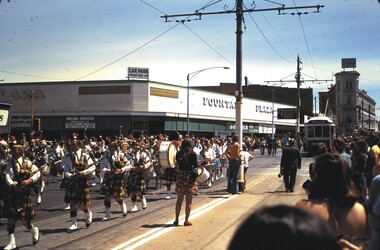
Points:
[34,76]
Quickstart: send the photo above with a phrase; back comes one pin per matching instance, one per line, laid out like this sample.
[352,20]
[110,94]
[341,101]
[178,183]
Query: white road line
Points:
[154,233]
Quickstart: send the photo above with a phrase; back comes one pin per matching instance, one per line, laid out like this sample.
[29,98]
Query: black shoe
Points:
[291,190]
[175,223]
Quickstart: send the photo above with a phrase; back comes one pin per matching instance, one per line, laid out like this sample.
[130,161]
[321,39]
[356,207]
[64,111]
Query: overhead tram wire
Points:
[266,39]
[304,36]
[213,49]
[192,31]
[133,51]
[276,33]
[128,54]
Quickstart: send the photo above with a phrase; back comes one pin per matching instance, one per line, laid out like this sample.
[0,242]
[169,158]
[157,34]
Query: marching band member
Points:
[115,167]
[55,157]
[20,174]
[78,167]
[37,153]
[3,185]
[136,182]
[176,138]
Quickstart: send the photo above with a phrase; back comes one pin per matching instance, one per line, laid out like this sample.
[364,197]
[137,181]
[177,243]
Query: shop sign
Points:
[141,73]
[80,122]
[20,122]
[4,113]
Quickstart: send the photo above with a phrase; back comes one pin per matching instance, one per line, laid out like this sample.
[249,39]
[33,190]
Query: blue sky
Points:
[53,40]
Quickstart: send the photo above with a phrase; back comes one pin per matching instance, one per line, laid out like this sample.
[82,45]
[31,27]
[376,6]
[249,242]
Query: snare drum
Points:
[203,175]
[149,173]
[166,154]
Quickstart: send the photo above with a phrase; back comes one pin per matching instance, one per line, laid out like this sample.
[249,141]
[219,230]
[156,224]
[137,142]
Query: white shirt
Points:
[10,174]
[80,156]
[246,157]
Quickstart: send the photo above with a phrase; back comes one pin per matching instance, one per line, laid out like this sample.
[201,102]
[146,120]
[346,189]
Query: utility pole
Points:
[298,81]
[32,98]
[239,66]
[239,11]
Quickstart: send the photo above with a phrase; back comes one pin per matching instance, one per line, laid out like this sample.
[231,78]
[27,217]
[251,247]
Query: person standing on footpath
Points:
[233,154]
[246,157]
[185,183]
[290,161]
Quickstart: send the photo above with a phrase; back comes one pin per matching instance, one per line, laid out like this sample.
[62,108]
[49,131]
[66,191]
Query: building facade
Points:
[267,93]
[350,107]
[131,107]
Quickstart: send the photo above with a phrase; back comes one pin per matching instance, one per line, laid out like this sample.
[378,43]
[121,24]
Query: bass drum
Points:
[166,154]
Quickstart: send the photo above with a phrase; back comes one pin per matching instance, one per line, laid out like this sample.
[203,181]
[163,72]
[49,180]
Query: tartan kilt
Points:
[113,185]
[185,182]
[77,191]
[169,174]
[136,182]
[19,206]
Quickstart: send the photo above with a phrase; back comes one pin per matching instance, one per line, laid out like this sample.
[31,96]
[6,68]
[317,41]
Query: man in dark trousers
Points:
[290,161]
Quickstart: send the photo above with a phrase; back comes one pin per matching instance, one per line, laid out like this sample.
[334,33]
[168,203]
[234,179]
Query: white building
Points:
[131,107]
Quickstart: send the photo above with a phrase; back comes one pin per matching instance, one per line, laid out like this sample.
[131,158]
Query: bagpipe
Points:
[20,176]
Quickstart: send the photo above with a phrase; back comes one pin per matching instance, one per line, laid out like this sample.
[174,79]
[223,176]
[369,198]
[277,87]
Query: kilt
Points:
[113,185]
[77,191]
[185,183]
[136,182]
[19,206]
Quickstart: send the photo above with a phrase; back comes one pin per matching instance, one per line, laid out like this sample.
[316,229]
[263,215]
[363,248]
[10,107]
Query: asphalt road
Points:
[215,215]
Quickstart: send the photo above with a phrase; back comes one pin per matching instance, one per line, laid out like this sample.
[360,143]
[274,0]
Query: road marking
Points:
[154,233]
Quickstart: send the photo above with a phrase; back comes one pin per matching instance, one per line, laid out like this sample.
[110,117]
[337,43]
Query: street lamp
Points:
[189,77]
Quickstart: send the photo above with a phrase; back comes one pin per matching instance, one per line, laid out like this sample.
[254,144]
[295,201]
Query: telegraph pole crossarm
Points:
[279,9]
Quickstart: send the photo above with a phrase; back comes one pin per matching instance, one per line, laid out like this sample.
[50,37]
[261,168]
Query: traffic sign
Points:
[287,113]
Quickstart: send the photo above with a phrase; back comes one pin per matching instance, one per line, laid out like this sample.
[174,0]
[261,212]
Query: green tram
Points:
[319,129]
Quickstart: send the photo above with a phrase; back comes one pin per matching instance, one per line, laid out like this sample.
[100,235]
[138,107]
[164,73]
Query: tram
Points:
[319,129]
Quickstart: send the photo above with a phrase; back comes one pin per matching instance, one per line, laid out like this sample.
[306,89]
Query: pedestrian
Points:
[290,162]
[20,175]
[339,146]
[334,198]
[185,183]
[283,227]
[375,155]
[246,157]
[373,210]
[233,154]
[359,162]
